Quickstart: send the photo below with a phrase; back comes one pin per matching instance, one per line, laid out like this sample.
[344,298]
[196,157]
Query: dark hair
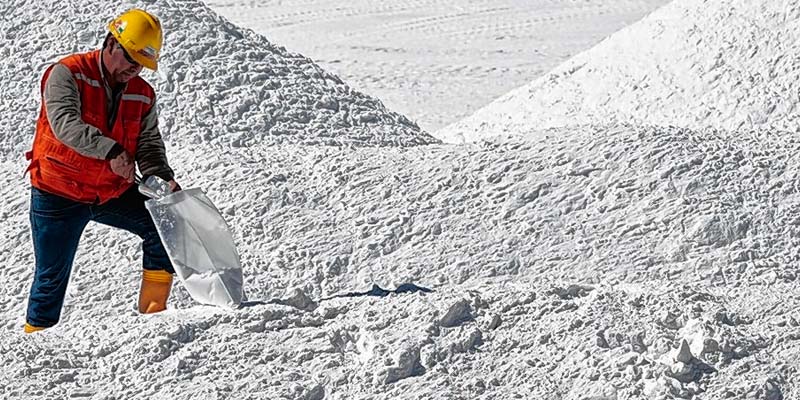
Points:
[109,36]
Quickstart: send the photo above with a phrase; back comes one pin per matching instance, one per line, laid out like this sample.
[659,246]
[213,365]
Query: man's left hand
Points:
[173,186]
[123,166]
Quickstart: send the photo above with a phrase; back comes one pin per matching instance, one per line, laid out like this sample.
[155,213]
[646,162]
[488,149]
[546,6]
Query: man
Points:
[98,118]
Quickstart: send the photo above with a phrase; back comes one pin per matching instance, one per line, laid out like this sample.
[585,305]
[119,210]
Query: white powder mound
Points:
[216,83]
[726,64]
[592,262]
[577,263]
[614,202]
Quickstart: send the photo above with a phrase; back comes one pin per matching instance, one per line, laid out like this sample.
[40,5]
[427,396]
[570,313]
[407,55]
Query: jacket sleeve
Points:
[151,154]
[62,103]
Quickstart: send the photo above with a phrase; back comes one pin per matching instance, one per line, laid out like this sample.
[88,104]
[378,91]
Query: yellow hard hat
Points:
[139,33]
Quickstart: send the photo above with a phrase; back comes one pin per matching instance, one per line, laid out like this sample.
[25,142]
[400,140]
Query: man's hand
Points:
[123,166]
[173,186]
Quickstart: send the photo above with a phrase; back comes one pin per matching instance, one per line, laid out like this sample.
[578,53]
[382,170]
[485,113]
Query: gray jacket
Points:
[63,105]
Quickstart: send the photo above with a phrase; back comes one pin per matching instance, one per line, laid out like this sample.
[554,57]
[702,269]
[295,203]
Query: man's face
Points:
[121,66]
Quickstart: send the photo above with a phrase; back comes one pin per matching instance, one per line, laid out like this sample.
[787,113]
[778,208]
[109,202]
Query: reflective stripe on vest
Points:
[92,82]
[137,97]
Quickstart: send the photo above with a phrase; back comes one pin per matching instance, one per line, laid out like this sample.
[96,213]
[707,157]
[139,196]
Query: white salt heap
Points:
[695,64]
[606,261]
[216,84]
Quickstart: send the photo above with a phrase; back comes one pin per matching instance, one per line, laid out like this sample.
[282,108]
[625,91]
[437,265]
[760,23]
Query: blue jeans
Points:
[57,224]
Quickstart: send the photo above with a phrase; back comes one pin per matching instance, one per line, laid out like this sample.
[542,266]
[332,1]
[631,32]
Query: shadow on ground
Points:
[376,291]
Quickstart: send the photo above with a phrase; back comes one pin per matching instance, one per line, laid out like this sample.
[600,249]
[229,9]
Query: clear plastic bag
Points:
[200,245]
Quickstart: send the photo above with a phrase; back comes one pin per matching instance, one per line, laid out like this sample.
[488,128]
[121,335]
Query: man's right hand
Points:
[123,166]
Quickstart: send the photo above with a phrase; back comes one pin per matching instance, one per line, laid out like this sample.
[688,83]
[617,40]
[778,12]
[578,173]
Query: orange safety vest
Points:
[56,168]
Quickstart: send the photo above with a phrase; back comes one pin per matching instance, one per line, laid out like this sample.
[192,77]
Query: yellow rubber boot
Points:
[155,290]
[30,328]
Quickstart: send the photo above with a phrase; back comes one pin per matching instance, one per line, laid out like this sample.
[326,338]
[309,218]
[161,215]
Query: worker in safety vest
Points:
[98,119]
